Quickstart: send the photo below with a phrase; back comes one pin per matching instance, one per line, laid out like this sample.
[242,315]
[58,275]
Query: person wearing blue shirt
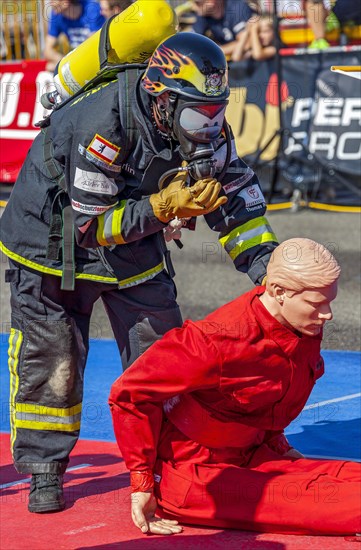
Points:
[76,19]
[222,20]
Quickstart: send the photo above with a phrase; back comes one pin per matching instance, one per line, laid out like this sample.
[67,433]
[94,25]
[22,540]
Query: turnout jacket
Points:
[215,390]
[108,181]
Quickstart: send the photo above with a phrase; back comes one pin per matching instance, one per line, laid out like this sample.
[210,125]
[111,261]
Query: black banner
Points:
[320,149]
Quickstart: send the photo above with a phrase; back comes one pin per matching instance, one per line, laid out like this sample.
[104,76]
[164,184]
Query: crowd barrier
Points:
[320,150]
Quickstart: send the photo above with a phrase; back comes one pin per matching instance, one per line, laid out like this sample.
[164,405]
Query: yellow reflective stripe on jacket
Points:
[40,417]
[109,229]
[52,270]
[122,283]
[15,341]
[248,235]
[142,277]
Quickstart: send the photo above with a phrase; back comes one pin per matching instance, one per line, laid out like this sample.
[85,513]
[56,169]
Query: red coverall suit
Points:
[204,410]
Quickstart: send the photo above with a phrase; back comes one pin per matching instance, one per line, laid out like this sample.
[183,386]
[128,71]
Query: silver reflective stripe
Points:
[107,230]
[20,416]
[150,274]
[247,236]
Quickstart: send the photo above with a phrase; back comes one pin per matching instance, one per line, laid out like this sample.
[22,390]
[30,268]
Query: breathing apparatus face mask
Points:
[196,125]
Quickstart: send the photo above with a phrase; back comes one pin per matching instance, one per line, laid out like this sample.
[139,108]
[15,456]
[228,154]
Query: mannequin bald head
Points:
[301,283]
[300,264]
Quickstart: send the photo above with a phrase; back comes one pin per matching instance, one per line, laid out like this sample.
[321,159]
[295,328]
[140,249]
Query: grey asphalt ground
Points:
[206,278]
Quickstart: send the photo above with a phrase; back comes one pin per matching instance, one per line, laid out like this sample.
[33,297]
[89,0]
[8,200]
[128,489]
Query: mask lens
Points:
[202,123]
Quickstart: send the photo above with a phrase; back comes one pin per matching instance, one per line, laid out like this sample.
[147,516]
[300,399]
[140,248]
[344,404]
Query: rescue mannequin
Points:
[199,417]
[85,220]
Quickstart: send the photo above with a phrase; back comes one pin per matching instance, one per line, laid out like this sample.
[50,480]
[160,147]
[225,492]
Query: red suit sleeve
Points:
[184,360]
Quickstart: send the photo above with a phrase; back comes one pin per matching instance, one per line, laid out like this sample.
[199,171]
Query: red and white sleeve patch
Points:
[103,149]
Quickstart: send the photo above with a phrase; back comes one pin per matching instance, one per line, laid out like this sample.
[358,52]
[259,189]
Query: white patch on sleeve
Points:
[94,182]
[239,182]
[91,209]
[252,196]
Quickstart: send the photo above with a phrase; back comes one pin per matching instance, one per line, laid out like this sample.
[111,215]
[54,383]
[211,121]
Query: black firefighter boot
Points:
[46,493]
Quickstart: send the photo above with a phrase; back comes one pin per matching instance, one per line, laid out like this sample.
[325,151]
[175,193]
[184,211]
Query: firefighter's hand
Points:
[180,201]
[143,515]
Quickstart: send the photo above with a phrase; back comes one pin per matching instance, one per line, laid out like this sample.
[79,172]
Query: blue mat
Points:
[329,426]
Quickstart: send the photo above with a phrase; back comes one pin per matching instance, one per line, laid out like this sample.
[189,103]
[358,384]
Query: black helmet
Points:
[188,64]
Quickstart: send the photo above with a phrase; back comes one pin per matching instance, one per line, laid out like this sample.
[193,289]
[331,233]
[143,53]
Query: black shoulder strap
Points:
[127,80]
[61,229]
[53,167]
[104,42]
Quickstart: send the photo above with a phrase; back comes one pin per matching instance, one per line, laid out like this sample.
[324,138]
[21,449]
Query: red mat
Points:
[97,514]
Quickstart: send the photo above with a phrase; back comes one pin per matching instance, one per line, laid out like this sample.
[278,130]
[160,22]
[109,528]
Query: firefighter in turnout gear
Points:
[112,171]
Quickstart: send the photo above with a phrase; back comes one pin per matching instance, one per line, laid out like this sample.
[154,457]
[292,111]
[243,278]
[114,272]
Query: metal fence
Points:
[24,26]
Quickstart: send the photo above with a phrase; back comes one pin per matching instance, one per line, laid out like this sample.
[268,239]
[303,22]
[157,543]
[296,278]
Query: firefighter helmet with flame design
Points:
[188,64]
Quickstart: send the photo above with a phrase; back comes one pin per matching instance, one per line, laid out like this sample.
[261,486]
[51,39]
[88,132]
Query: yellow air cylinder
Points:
[134,34]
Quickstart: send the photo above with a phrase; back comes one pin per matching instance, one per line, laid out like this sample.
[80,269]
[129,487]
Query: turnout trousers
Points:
[48,348]
[269,494]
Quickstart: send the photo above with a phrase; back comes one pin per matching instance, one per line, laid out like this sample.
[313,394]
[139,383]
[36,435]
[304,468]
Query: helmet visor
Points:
[202,121]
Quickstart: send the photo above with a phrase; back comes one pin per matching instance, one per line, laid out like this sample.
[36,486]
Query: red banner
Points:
[22,84]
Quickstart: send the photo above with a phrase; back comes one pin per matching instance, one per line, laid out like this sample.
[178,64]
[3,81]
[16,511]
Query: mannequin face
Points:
[306,311]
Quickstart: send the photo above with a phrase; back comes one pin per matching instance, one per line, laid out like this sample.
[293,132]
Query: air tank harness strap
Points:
[166,255]
[61,230]
[104,42]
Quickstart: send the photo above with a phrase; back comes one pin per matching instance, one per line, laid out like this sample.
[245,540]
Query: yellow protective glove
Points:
[180,201]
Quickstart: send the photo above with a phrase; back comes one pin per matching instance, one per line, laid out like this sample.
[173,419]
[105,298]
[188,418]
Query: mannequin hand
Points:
[180,201]
[143,510]
[293,453]
[173,230]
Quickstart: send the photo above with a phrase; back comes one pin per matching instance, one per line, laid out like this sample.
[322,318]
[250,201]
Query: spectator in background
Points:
[317,11]
[257,40]
[312,13]
[224,21]
[186,15]
[76,19]
[108,8]
[326,15]
[347,12]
